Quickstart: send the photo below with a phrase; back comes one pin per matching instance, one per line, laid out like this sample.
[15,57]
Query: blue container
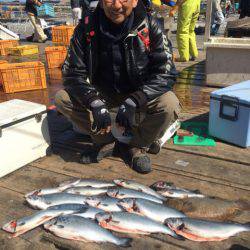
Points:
[229,116]
[46,10]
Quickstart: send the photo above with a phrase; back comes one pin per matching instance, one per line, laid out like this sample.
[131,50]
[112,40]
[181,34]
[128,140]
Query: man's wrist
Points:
[130,102]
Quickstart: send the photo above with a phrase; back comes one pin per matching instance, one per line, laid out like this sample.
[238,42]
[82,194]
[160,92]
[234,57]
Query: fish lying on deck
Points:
[105,203]
[150,209]
[121,193]
[87,183]
[209,207]
[202,230]
[45,201]
[88,191]
[21,226]
[132,223]
[168,190]
[137,186]
[44,191]
[81,229]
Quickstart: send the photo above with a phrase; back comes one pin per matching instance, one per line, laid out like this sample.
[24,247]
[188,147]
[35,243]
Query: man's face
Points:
[118,10]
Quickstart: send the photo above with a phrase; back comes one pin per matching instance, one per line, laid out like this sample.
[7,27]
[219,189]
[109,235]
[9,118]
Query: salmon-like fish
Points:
[168,190]
[132,223]
[45,201]
[21,226]
[138,186]
[121,193]
[203,230]
[81,229]
[150,209]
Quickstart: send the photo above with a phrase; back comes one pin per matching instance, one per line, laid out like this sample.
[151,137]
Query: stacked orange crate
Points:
[25,76]
[62,34]
[55,56]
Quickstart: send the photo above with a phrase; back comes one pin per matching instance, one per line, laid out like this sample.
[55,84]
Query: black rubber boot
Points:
[97,153]
[136,158]
[154,148]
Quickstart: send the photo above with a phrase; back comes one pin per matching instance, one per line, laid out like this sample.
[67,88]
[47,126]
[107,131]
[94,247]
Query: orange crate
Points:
[2,62]
[5,44]
[25,76]
[62,34]
[55,56]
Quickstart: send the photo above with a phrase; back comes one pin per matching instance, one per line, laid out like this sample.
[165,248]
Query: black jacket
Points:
[245,8]
[151,72]
[30,7]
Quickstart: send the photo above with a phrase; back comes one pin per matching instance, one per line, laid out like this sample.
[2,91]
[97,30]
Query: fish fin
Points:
[178,237]
[125,242]
[243,205]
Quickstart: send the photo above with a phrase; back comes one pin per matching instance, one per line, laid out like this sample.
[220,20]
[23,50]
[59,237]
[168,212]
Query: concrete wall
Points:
[227,61]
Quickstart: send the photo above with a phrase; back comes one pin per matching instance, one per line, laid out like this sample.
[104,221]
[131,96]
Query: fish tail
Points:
[243,205]
[125,242]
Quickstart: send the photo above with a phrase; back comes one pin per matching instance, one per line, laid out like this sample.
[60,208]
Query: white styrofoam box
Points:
[24,134]
[229,116]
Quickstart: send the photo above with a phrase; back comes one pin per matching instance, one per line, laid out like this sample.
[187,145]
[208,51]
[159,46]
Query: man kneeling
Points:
[119,57]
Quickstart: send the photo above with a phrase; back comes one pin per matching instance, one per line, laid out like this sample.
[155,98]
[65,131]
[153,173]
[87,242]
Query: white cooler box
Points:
[229,117]
[24,134]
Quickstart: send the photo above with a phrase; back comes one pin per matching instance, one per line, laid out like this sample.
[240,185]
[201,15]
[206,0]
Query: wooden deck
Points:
[222,171]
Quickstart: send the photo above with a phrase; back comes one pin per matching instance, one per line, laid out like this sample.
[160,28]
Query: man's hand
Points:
[101,116]
[125,117]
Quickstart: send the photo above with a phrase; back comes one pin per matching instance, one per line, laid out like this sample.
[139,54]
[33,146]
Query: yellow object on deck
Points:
[23,50]
[186,38]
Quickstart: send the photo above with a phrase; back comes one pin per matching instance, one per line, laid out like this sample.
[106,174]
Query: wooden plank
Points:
[222,151]
[232,174]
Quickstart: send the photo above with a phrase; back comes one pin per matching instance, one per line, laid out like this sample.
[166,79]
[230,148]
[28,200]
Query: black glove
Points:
[102,119]
[126,114]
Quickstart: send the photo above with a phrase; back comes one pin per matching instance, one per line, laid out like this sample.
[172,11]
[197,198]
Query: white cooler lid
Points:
[16,109]
[240,91]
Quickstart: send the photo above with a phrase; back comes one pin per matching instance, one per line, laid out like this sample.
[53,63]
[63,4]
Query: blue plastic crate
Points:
[46,10]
